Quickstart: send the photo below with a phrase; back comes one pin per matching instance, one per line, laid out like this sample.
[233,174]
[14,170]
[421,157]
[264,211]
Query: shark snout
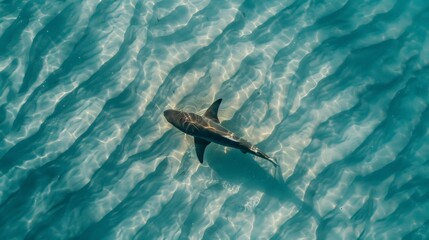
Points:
[172,116]
[168,114]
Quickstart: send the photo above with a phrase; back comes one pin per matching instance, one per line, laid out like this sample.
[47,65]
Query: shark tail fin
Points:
[273,161]
[277,170]
[265,156]
[278,174]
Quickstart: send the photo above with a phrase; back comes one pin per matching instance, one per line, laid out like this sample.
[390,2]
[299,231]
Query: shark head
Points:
[175,117]
[181,120]
[184,121]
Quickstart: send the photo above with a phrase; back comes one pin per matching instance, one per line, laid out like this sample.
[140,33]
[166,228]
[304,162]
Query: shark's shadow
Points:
[242,169]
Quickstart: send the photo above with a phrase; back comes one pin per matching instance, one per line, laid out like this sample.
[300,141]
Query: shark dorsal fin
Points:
[212,111]
[200,146]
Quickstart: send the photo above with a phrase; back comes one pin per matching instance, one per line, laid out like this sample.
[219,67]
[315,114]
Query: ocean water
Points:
[337,91]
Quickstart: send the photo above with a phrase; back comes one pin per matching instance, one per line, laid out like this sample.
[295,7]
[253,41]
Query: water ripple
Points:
[337,91]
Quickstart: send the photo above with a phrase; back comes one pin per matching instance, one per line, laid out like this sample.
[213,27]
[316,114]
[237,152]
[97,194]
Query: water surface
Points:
[337,91]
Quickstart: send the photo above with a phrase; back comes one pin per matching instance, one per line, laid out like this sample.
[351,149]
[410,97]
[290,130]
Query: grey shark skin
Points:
[206,129]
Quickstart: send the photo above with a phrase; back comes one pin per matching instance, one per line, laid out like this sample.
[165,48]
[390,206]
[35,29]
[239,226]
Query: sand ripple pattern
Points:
[337,91]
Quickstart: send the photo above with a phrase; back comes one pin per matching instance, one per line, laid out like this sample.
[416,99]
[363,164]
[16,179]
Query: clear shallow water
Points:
[337,91]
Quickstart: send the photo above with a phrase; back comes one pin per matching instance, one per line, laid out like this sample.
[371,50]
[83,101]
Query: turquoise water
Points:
[337,91]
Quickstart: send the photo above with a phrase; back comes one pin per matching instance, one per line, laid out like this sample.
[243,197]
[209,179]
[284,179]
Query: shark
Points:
[207,129]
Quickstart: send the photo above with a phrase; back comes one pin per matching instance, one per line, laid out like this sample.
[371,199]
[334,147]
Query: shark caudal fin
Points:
[277,171]
[273,161]
[200,147]
[278,174]
[260,154]
[211,112]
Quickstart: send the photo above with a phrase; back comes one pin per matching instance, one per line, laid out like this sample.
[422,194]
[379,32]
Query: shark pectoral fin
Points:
[243,151]
[200,146]
[212,111]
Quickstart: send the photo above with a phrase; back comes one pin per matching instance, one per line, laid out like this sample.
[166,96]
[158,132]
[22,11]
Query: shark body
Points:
[207,129]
